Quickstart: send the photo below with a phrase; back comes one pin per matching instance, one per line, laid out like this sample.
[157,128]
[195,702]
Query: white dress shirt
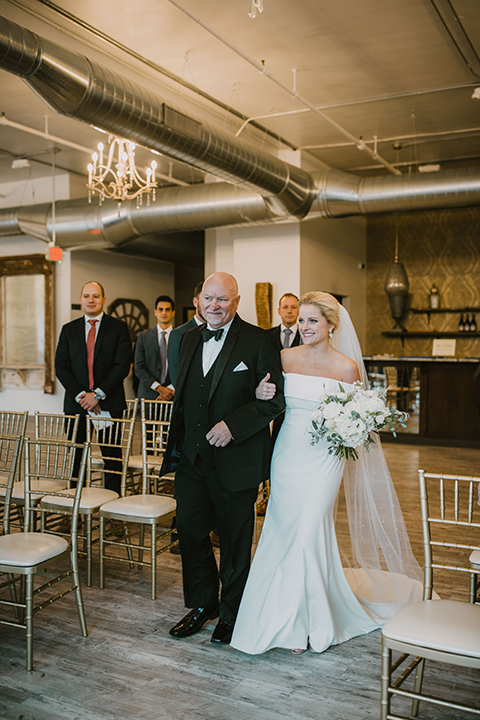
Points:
[167,332]
[294,329]
[88,327]
[212,348]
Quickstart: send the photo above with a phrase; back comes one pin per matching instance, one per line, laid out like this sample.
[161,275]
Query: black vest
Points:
[195,411]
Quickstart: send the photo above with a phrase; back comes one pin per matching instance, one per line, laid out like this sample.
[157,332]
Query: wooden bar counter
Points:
[444,400]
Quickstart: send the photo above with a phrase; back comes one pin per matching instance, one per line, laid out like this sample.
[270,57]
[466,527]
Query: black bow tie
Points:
[209,334]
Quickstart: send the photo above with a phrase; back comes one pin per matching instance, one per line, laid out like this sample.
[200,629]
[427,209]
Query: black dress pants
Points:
[111,480]
[203,502]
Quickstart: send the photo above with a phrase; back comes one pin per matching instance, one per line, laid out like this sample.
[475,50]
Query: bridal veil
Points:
[383,571]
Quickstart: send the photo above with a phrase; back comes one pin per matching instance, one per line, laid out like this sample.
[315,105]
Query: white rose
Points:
[331,410]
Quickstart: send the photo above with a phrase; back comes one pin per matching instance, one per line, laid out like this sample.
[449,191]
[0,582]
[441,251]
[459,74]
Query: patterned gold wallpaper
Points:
[441,248]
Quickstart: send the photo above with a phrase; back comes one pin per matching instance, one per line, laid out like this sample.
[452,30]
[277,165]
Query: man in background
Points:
[284,335]
[92,360]
[287,334]
[151,363]
[177,334]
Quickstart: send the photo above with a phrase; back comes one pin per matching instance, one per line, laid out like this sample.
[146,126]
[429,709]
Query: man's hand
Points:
[88,403]
[219,435]
[164,393]
[265,390]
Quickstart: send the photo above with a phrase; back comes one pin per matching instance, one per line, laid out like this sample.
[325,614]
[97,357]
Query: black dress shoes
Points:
[223,632]
[193,622]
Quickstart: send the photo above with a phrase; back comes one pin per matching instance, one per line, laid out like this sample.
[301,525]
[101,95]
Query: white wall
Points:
[122,276]
[262,253]
[332,252]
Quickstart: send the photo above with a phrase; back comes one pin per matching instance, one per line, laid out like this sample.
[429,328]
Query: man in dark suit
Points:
[92,360]
[220,433]
[286,334]
[151,364]
[177,334]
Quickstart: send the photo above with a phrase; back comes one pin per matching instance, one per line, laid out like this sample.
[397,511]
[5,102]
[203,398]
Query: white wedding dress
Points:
[297,591]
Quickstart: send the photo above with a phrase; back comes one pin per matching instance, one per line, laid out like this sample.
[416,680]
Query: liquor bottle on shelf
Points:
[461,324]
[473,324]
[466,324]
[434,298]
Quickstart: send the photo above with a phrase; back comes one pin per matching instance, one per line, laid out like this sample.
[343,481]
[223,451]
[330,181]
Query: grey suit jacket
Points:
[174,345]
[275,333]
[148,367]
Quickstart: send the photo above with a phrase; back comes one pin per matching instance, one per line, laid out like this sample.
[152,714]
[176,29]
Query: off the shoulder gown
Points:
[297,591]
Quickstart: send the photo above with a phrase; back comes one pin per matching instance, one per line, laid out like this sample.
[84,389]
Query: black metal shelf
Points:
[430,334]
[433,311]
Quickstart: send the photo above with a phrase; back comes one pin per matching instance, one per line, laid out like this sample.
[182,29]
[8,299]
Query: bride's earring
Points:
[330,333]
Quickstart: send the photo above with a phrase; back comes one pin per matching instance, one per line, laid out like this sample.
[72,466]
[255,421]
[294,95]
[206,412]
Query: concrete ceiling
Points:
[393,69]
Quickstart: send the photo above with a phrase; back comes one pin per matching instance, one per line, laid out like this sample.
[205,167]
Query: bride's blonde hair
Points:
[324,302]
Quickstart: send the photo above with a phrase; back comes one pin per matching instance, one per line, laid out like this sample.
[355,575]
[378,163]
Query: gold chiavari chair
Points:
[115,437]
[52,426]
[13,423]
[447,631]
[28,554]
[158,411]
[154,511]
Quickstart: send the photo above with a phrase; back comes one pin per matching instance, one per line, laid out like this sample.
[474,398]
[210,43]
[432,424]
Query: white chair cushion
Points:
[43,486]
[446,625]
[475,558]
[92,498]
[143,506]
[135,462]
[31,548]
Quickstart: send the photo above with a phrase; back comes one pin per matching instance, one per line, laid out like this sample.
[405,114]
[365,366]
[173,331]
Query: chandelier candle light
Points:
[121,180]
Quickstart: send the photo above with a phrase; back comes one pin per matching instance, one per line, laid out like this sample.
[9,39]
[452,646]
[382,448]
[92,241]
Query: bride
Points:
[298,595]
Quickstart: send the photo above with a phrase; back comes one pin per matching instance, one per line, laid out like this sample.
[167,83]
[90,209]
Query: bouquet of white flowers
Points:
[347,419]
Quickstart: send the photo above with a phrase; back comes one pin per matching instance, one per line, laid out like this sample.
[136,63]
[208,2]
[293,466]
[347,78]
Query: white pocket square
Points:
[240,366]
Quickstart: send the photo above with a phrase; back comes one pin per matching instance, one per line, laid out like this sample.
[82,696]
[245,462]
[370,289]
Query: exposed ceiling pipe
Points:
[81,148]
[75,86]
[185,210]
[261,67]
[452,21]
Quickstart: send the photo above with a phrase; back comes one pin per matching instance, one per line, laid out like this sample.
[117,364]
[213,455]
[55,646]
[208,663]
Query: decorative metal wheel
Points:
[133,312]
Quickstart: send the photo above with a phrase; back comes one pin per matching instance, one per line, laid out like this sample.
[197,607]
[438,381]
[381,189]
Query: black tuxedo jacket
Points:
[174,346]
[275,333]
[148,366]
[247,355]
[111,363]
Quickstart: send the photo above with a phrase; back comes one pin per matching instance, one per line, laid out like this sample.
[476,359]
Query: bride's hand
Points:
[265,390]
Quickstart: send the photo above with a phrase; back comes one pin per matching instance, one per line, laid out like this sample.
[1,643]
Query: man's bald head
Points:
[219,299]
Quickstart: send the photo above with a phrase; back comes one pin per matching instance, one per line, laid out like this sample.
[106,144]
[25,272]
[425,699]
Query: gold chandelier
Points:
[119,180]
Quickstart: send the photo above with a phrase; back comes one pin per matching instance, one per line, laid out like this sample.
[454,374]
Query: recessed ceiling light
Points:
[429,168]
[18,163]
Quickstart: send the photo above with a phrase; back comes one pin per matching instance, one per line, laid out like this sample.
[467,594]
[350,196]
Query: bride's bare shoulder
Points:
[348,369]
[291,358]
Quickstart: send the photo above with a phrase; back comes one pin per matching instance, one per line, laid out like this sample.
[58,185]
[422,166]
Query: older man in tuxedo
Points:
[220,434]
[92,360]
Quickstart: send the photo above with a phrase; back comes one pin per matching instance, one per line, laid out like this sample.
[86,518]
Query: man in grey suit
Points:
[151,364]
[177,334]
[286,334]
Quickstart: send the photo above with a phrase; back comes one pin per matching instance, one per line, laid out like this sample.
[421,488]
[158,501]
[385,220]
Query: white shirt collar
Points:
[225,328]
[97,317]
[294,328]
[160,330]
[198,321]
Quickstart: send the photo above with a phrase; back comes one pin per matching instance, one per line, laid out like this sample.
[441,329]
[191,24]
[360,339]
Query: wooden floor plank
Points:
[130,667]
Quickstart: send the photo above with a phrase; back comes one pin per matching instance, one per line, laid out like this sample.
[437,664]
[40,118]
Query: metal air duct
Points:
[75,86]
